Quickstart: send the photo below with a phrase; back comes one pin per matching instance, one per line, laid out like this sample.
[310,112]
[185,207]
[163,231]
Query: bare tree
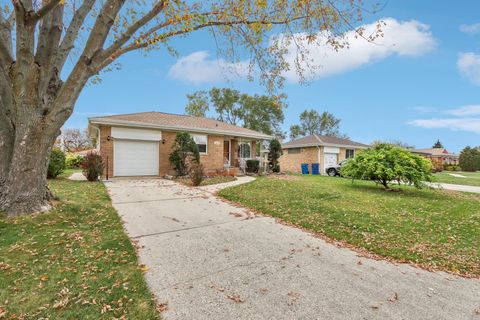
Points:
[37,38]
[73,140]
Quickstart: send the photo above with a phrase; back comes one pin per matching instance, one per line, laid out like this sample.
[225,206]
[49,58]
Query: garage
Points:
[135,158]
[136,152]
[331,159]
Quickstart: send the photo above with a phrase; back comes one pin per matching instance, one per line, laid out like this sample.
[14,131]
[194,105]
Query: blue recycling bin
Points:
[304,168]
[315,168]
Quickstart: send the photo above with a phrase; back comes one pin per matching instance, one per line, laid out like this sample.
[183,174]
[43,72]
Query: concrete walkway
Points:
[455,187]
[210,260]
[77,176]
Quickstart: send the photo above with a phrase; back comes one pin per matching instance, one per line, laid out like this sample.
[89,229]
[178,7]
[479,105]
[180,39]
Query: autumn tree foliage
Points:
[50,49]
[313,122]
[262,113]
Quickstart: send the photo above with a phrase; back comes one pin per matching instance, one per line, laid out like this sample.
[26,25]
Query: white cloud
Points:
[402,38]
[465,111]
[460,124]
[197,68]
[470,28]
[469,66]
[465,118]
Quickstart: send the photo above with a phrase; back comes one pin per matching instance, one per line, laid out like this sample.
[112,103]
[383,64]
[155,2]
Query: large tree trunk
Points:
[25,187]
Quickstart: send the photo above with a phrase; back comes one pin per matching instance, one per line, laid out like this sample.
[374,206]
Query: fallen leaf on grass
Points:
[60,304]
[144,268]
[3,313]
[43,277]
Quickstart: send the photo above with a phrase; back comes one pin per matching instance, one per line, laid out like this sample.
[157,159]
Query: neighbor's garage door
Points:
[331,160]
[135,158]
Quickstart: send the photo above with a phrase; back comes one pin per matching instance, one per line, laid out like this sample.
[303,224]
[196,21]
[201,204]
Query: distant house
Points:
[139,144]
[324,150]
[438,156]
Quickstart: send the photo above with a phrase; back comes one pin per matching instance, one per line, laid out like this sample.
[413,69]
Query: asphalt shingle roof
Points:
[178,121]
[318,140]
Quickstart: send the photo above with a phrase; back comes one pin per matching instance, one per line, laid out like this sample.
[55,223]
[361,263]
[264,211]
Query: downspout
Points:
[318,156]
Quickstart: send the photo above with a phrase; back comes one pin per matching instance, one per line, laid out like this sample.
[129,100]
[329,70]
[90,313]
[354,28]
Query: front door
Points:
[226,153]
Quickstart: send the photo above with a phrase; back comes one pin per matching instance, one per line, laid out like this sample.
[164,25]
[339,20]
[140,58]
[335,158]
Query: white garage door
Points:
[135,158]
[330,160]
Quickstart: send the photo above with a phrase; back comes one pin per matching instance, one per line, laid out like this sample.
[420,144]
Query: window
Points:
[349,153]
[201,141]
[294,150]
[244,150]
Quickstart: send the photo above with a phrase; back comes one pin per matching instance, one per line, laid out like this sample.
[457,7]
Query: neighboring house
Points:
[438,156]
[140,144]
[83,153]
[325,150]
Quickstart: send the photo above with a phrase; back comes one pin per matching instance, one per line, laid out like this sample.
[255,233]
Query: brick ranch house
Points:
[325,150]
[438,156]
[139,144]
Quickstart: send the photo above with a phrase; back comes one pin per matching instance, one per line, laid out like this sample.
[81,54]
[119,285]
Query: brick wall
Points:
[212,161]
[292,162]
[106,150]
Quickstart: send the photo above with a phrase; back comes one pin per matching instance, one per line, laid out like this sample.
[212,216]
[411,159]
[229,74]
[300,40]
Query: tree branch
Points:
[127,35]
[6,54]
[43,11]
[147,42]
[25,39]
[72,32]
[83,69]
[47,48]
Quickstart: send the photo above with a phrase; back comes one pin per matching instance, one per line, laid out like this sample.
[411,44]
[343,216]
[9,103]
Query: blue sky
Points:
[420,85]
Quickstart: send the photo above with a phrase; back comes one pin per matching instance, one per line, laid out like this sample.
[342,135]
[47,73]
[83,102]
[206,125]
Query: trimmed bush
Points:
[252,165]
[56,165]
[73,160]
[197,173]
[92,166]
[184,151]
[451,167]
[274,153]
[385,163]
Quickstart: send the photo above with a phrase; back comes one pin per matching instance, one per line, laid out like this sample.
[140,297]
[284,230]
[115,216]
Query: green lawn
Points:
[433,228]
[74,262]
[472,178]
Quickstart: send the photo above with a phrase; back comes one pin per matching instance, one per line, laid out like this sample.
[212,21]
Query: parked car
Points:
[335,170]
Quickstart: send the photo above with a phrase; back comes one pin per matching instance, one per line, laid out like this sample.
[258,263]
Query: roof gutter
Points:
[324,145]
[175,128]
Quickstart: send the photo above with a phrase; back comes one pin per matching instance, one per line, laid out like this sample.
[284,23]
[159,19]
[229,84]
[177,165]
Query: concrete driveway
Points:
[210,260]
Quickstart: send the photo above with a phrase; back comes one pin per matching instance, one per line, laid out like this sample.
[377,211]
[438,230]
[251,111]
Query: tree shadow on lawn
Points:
[396,190]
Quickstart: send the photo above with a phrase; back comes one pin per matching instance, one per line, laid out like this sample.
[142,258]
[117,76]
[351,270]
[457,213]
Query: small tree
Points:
[184,150]
[385,163]
[470,159]
[197,173]
[56,165]
[275,152]
[92,166]
[438,144]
